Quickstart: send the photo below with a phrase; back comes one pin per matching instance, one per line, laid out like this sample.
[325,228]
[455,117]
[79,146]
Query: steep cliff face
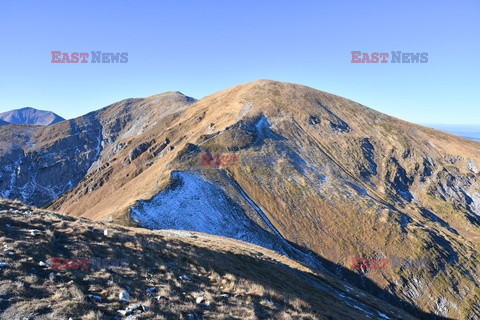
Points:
[38,164]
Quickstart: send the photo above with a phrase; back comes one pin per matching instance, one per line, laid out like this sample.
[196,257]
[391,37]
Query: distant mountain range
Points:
[349,182]
[29,116]
[471,132]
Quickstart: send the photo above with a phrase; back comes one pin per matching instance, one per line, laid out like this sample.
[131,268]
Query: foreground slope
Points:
[170,275]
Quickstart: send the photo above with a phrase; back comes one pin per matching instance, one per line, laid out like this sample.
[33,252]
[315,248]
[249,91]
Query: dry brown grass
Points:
[237,281]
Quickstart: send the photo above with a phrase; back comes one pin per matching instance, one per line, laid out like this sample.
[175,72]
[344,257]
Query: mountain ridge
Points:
[349,181]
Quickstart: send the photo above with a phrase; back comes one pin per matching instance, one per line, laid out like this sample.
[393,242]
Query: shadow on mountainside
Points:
[236,279]
[367,285]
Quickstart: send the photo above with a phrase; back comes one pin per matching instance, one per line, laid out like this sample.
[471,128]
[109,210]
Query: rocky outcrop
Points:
[38,171]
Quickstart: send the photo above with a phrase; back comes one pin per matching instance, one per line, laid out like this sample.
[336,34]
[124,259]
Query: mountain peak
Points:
[29,115]
[173,95]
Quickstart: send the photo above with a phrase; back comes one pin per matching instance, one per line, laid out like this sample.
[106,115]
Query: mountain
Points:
[347,181]
[2,123]
[164,275]
[30,116]
[39,163]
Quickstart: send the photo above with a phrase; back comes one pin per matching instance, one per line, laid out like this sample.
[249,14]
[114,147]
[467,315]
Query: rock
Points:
[313,120]
[133,308]
[138,150]
[471,166]
[267,302]
[34,232]
[158,298]
[442,305]
[200,299]
[94,298]
[124,295]
[151,291]
[122,312]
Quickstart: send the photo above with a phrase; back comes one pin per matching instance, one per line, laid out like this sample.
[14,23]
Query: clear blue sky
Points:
[200,47]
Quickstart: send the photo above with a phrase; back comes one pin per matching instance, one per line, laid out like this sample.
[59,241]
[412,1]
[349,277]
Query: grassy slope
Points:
[255,282]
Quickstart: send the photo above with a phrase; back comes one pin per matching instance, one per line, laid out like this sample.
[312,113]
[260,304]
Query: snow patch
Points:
[194,204]
[471,166]
[13,178]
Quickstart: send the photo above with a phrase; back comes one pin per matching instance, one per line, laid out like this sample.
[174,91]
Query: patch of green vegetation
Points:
[47,205]
[276,92]
[471,302]
[452,169]
[62,217]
